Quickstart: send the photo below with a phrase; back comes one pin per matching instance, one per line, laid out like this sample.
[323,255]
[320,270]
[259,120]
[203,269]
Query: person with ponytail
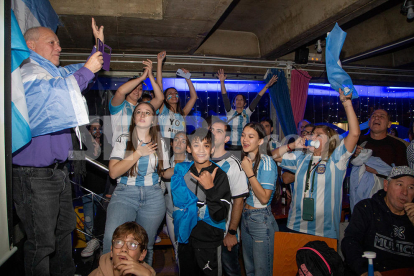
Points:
[258,224]
[172,115]
[319,174]
[137,161]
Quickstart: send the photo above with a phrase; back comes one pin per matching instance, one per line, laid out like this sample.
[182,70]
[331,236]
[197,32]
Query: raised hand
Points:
[247,166]
[161,56]
[342,97]
[409,209]
[272,81]
[95,62]
[220,75]
[97,32]
[206,179]
[185,71]
[148,67]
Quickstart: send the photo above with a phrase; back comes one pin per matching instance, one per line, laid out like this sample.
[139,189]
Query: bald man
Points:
[41,187]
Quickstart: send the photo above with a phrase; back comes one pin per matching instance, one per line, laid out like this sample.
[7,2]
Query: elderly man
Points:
[41,186]
[388,148]
[376,153]
[383,224]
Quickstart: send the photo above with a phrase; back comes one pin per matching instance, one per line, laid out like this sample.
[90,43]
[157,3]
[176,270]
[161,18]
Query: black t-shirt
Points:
[373,227]
[389,149]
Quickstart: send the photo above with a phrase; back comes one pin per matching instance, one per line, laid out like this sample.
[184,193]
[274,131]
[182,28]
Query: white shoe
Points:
[91,246]
[157,239]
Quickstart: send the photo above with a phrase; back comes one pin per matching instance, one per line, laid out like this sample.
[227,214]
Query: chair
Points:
[285,247]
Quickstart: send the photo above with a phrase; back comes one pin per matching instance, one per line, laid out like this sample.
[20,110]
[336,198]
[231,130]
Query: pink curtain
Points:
[299,93]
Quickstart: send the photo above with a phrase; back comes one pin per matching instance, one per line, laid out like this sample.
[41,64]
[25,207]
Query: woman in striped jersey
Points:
[319,174]
[258,224]
[238,117]
[137,161]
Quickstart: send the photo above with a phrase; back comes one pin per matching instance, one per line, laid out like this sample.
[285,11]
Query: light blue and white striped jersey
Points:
[267,176]
[327,191]
[146,166]
[237,179]
[170,123]
[120,118]
[237,123]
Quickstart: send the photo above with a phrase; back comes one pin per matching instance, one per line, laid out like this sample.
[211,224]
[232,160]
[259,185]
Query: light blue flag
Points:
[35,13]
[20,127]
[337,77]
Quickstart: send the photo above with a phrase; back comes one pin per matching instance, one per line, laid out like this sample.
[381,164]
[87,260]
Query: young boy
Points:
[239,190]
[201,195]
[128,250]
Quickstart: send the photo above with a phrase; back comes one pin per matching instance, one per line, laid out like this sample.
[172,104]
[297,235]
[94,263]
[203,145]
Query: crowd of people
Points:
[213,186]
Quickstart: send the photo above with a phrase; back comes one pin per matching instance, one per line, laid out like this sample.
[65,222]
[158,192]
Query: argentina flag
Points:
[337,77]
[35,13]
[20,127]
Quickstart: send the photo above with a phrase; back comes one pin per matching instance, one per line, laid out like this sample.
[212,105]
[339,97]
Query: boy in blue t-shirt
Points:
[201,195]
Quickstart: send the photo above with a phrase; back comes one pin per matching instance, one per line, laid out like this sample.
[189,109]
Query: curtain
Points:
[299,93]
[279,94]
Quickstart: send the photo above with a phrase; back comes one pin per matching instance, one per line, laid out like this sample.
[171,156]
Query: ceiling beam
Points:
[304,22]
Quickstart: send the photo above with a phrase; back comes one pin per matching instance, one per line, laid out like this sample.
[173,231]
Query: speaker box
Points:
[301,56]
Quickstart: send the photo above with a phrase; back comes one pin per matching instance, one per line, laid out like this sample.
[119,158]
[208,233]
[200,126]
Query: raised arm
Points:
[193,96]
[280,151]
[351,140]
[97,32]
[158,95]
[256,100]
[160,58]
[222,77]
[126,88]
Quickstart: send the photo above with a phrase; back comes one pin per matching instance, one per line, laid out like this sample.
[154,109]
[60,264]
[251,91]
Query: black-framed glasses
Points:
[132,245]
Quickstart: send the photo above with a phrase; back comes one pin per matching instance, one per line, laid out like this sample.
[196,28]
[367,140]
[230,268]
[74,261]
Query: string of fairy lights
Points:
[321,107]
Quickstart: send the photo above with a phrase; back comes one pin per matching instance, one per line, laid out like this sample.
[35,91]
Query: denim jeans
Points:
[230,260]
[143,204]
[258,227]
[90,207]
[43,201]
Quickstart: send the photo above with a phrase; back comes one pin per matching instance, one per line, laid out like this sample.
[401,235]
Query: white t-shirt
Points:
[120,118]
[237,178]
[327,191]
[237,124]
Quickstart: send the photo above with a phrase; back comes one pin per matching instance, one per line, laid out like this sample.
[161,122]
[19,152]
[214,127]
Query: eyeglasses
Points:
[132,245]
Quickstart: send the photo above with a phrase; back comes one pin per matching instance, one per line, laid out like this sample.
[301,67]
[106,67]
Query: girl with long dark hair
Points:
[138,159]
[258,224]
[172,115]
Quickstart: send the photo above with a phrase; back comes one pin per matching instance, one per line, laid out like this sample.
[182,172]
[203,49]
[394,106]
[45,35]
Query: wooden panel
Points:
[285,247]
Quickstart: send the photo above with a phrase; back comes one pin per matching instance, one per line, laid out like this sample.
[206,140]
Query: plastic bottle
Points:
[370,256]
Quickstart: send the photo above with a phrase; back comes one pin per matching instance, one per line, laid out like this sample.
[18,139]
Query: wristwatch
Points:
[232,232]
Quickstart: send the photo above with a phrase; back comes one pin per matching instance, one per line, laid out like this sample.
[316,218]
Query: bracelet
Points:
[347,99]
[289,149]
[250,176]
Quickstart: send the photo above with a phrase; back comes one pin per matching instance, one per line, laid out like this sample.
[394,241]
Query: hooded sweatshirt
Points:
[373,227]
[106,267]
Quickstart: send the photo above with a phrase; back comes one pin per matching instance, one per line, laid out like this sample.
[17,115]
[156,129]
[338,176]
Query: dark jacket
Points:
[373,227]
[217,200]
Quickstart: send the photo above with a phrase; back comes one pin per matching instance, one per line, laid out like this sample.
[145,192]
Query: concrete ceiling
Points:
[257,30]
